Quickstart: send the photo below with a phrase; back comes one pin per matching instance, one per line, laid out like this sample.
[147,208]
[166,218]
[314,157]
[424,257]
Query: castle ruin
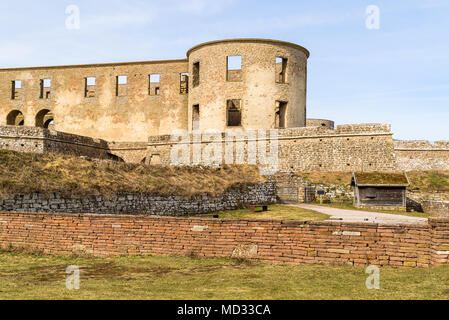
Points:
[130,110]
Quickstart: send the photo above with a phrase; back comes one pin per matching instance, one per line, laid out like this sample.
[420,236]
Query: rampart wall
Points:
[295,242]
[364,147]
[238,197]
[39,140]
[421,155]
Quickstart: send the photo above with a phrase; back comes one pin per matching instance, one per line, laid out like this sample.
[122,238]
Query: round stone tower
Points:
[247,84]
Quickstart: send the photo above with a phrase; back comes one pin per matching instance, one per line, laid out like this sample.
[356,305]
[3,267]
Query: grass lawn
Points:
[275,212]
[24,276]
[350,206]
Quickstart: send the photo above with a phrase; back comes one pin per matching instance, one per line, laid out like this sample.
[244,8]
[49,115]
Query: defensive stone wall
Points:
[39,140]
[130,152]
[421,155]
[320,123]
[295,242]
[142,204]
[348,148]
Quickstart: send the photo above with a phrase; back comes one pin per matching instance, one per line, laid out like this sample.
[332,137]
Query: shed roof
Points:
[379,179]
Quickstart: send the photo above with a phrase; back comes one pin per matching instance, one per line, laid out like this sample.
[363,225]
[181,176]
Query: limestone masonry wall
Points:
[129,111]
[257,88]
[320,123]
[296,242]
[130,152]
[422,155]
[39,140]
[361,147]
[141,204]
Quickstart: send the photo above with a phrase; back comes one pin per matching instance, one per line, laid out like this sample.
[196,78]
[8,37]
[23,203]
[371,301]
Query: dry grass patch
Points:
[275,212]
[28,173]
[429,181]
[327,178]
[163,278]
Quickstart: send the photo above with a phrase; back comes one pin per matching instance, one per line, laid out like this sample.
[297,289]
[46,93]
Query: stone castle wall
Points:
[295,242]
[320,123]
[141,204]
[363,147]
[39,140]
[421,155]
[107,110]
[258,88]
[134,100]
[348,148]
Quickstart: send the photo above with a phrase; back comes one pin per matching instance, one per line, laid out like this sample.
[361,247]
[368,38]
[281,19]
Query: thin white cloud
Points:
[118,20]
[14,52]
[201,7]
[430,4]
[285,23]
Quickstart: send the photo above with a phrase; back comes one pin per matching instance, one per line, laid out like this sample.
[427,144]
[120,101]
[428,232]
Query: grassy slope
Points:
[43,277]
[275,212]
[25,173]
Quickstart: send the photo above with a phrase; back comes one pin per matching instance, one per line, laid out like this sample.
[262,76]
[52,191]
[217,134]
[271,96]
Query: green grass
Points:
[429,181]
[25,276]
[275,212]
[350,206]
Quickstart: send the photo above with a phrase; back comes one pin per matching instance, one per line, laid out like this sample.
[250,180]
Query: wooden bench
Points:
[263,206]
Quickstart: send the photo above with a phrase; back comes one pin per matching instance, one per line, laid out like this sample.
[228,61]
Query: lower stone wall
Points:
[436,208]
[130,152]
[294,242]
[236,198]
[348,148]
[39,140]
[421,155]
[292,189]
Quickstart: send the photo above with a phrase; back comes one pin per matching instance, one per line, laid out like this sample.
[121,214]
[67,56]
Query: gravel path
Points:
[344,215]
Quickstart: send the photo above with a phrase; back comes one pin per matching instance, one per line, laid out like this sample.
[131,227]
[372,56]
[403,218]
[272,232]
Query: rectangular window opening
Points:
[121,89]
[234,68]
[281,113]
[196,74]
[155,85]
[90,88]
[16,88]
[281,70]
[234,113]
[45,91]
[184,86]
[196,117]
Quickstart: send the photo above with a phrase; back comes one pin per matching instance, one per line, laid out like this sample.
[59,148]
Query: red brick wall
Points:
[273,241]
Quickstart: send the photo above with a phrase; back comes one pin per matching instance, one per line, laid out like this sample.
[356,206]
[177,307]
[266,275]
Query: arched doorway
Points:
[15,118]
[44,119]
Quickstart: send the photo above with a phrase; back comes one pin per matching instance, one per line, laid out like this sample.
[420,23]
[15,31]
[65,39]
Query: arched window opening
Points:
[44,119]
[15,118]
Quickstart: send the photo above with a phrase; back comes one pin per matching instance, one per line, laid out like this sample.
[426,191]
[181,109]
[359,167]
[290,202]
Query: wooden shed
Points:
[380,190]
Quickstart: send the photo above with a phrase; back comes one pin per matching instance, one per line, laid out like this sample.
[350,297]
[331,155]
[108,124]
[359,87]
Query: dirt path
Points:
[344,215]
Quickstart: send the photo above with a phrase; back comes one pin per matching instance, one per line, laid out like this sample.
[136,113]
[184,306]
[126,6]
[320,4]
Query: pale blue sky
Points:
[398,74]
